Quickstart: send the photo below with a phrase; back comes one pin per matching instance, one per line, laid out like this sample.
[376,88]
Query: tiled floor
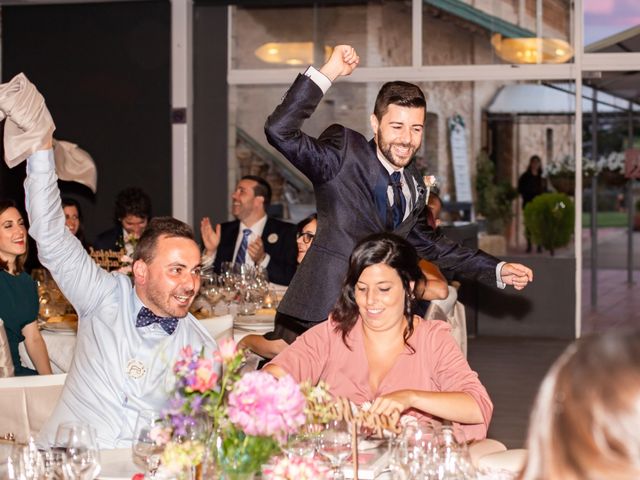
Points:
[618,303]
[512,368]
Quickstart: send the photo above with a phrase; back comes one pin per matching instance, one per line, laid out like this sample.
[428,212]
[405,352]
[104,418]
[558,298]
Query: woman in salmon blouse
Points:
[372,349]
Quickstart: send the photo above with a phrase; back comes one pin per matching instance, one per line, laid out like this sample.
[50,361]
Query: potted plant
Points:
[494,203]
[494,198]
[549,218]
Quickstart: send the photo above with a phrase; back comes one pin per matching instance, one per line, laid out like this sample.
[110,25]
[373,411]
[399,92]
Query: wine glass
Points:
[300,444]
[146,451]
[334,443]
[455,461]
[82,454]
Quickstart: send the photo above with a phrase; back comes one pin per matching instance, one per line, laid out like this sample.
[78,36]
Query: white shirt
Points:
[256,232]
[117,369]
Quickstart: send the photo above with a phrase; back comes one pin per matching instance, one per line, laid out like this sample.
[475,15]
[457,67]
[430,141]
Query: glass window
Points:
[285,37]
[458,32]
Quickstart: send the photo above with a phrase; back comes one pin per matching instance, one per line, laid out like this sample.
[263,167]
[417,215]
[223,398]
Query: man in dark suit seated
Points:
[363,187]
[253,238]
[131,214]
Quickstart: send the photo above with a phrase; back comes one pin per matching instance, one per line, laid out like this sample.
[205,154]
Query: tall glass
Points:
[146,452]
[334,443]
[82,453]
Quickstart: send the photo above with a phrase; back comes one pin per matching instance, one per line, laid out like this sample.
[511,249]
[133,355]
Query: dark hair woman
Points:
[306,232]
[19,294]
[73,219]
[265,345]
[372,349]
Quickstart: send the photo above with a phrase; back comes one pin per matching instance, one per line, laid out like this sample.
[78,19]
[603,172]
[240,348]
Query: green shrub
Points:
[549,218]
[494,198]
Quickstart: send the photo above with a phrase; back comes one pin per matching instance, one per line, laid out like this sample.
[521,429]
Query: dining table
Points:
[60,337]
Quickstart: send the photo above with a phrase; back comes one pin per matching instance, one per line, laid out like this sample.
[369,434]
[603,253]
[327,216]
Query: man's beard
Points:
[386,149]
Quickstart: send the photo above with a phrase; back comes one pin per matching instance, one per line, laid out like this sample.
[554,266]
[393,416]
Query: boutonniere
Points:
[430,182]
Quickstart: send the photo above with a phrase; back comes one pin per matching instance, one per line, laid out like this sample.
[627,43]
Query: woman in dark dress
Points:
[530,185]
[19,294]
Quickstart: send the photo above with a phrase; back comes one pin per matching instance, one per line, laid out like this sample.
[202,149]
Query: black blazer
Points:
[343,167]
[279,239]
[110,239]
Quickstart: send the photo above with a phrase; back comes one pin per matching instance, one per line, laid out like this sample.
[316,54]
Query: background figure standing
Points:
[530,185]
[362,187]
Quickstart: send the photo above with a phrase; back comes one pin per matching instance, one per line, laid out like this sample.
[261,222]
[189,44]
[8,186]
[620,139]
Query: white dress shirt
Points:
[117,369]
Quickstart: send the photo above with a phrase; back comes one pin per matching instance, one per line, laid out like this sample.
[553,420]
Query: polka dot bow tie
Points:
[147,317]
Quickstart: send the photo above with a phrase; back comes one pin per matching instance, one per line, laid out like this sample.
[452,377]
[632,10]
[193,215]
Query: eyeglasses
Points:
[307,237]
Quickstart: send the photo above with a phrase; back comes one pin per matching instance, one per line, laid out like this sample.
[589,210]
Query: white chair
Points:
[6,362]
[219,327]
[511,461]
[456,319]
[482,448]
[27,402]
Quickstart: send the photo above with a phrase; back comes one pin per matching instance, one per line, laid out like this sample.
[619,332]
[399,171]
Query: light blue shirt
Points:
[117,369]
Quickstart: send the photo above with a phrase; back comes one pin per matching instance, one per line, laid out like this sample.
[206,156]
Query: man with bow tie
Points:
[128,337]
[363,187]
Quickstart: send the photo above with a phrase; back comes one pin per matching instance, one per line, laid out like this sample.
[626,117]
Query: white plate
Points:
[253,320]
[59,327]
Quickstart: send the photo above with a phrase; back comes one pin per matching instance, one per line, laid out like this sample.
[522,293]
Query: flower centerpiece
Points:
[237,421]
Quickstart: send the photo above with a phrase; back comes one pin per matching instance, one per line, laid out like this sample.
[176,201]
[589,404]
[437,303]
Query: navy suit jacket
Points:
[279,240]
[110,239]
[343,167]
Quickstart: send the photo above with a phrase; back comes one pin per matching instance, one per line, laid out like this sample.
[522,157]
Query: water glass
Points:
[334,443]
[300,444]
[81,450]
[145,449]
[455,461]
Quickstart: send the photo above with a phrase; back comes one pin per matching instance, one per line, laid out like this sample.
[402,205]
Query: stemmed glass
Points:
[334,443]
[300,444]
[25,462]
[82,454]
[146,452]
[414,453]
[455,462]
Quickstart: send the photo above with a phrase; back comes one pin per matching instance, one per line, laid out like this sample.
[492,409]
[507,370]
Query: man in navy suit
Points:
[253,238]
[362,187]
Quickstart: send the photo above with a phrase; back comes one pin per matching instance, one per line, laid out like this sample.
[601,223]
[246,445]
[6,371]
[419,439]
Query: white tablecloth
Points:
[117,464]
[61,345]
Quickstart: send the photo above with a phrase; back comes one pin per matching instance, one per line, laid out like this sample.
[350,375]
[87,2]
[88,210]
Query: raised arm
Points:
[318,158]
[80,279]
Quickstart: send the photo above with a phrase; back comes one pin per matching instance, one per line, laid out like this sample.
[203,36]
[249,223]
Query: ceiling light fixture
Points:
[531,50]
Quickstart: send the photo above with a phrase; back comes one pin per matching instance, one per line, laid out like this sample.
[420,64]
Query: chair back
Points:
[27,402]
[6,362]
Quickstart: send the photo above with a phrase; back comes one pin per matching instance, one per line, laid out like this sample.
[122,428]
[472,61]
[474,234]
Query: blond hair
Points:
[585,424]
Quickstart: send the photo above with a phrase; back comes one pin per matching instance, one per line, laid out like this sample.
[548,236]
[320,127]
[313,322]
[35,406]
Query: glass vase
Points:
[239,456]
